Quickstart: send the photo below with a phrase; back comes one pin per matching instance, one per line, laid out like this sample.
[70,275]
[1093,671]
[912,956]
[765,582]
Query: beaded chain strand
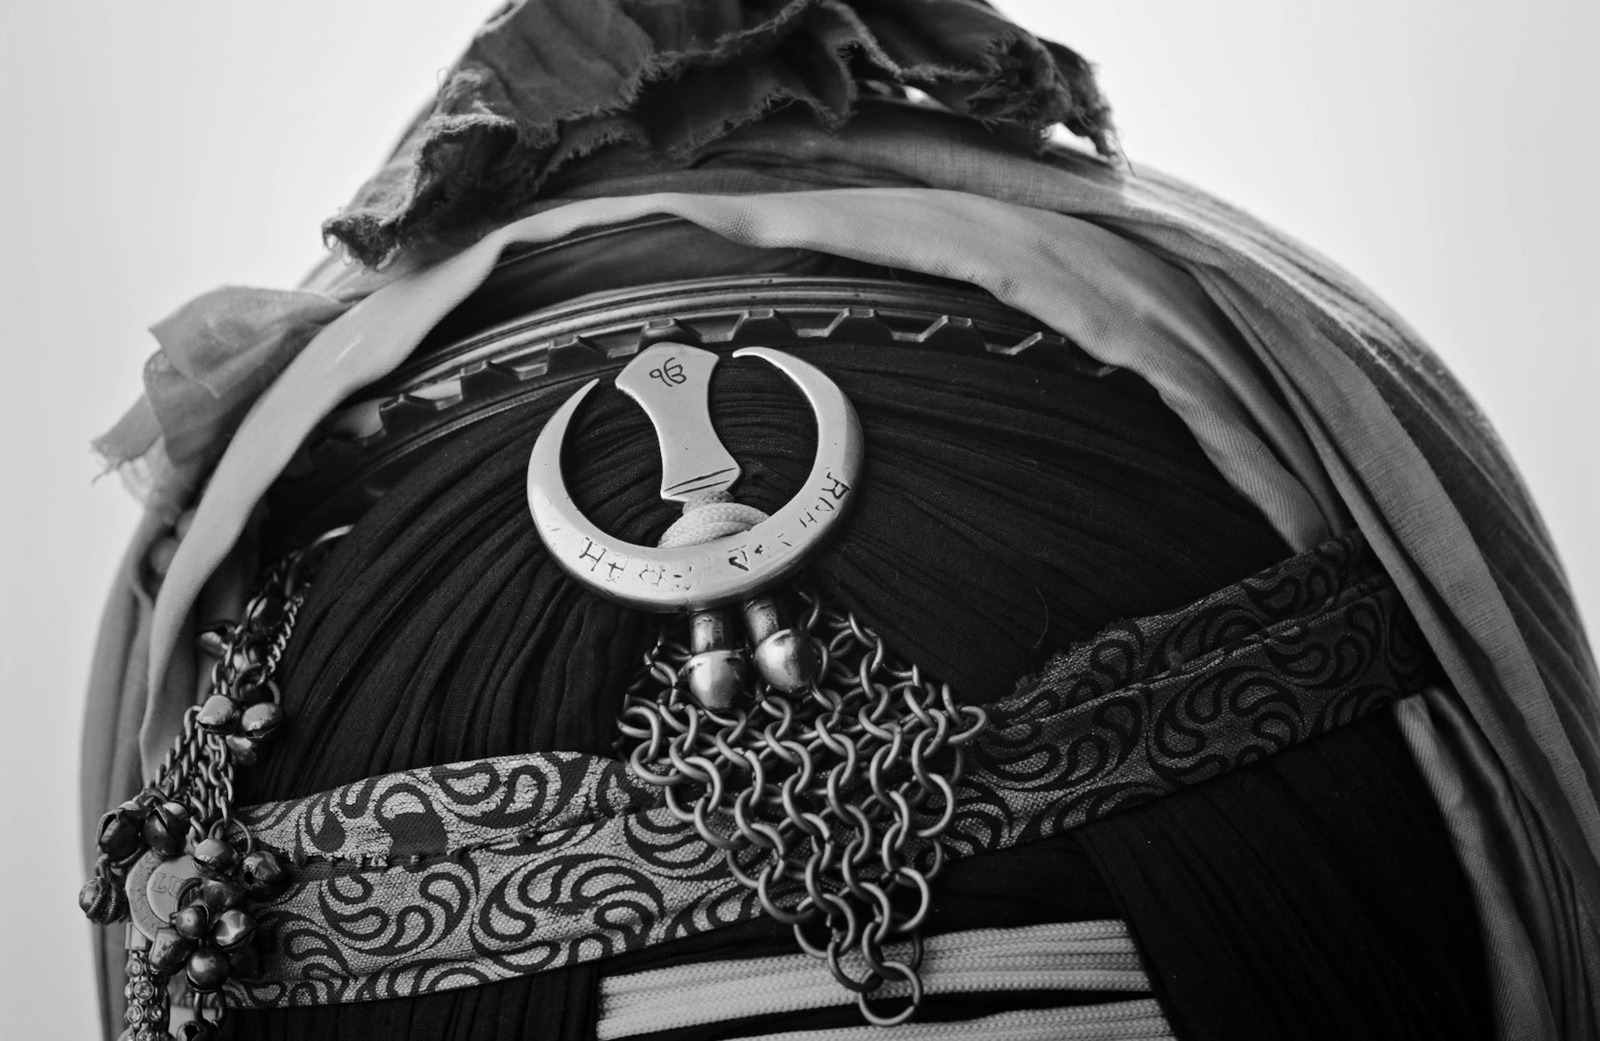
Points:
[174,862]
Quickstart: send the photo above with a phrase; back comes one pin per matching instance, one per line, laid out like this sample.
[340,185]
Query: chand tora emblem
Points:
[671,383]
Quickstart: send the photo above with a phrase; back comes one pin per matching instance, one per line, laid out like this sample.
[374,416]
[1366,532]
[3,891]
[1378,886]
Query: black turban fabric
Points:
[1006,512]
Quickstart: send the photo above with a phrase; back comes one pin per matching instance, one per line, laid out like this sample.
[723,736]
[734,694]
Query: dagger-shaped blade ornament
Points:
[724,571]
[672,383]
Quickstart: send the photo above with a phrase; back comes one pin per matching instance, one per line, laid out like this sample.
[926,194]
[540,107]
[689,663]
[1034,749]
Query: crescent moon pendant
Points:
[725,570]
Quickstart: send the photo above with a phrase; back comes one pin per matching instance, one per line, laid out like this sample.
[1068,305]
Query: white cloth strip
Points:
[1095,955]
[1120,1021]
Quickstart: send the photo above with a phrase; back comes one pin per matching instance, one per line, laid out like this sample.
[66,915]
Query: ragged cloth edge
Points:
[553,81]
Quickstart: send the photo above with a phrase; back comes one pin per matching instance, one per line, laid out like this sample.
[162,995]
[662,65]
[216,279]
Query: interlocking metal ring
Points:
[829,806]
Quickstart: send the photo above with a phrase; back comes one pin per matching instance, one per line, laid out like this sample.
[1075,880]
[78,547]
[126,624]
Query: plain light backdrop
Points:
[1446,151]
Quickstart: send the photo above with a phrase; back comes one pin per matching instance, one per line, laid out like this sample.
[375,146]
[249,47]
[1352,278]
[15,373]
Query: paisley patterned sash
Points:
[453,876]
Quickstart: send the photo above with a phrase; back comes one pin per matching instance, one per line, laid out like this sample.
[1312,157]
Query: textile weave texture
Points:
[452,876]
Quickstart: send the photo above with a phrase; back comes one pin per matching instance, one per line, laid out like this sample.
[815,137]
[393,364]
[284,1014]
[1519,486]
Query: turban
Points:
[1215,415]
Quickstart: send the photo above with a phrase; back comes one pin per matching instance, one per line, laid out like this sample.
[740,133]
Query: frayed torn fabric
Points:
[551,81]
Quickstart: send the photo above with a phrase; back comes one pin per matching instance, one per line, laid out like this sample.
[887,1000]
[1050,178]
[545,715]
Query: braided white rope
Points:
[1073,956]
[712,517]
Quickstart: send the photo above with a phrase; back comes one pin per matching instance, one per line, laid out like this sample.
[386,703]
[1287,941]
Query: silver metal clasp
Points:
[671,381]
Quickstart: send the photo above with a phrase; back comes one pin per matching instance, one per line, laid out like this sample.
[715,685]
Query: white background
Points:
[1447,151]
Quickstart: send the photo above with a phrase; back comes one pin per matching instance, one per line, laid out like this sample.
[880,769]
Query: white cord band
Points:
[1069,956]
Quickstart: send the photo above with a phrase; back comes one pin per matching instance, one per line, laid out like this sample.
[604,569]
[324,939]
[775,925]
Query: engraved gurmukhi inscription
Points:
[670,382]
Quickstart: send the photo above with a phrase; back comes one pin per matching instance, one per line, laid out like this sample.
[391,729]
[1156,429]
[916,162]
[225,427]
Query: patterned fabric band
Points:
[452,876]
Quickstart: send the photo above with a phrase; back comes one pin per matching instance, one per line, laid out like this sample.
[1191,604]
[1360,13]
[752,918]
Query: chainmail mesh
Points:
[829,804]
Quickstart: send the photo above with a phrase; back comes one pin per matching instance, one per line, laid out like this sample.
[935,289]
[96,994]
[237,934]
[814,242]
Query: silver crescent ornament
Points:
[671,381]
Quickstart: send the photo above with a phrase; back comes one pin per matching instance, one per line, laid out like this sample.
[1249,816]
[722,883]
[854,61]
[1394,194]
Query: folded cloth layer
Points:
[548,82]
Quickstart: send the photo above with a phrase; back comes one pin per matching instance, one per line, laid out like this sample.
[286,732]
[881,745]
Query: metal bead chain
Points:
[828,804]
[188,809]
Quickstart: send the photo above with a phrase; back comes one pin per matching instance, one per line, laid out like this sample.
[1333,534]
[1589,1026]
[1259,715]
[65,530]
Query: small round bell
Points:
[121,833]
[259,722]
[262,874]
[166,827]
[219,715]
[214,858]
[221,894]
[103,901]
[233,928]
[192,922]
[207,969]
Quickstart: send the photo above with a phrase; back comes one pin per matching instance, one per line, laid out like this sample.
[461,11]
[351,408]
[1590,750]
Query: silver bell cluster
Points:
[209,937]
[182,824]
[243,709]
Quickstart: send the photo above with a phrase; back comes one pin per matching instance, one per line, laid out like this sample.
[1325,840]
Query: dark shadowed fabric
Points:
[1312,896]
[1006,513]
